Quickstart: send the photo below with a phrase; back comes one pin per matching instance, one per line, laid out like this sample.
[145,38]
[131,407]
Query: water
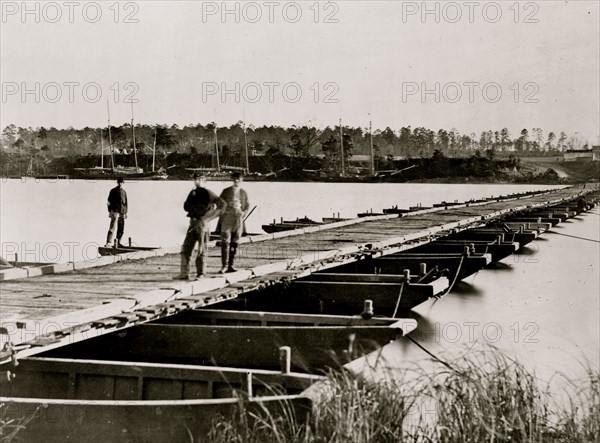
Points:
[541,305]
[61,220]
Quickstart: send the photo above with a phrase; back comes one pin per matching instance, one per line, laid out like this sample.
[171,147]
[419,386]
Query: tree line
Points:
[42,145]
[299,140]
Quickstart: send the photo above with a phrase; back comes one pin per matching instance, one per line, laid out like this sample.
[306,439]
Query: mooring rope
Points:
[575,236]
[462,259]
[398,300]
[435,357]
[427,275]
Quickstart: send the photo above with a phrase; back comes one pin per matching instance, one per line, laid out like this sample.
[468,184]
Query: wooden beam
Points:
[359,278]
[261,318]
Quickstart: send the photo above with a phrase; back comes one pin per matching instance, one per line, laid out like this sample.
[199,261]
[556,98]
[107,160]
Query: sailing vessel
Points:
[223,172]
[127,172]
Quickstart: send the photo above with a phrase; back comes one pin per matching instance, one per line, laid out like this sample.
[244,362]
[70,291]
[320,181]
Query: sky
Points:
[472,66]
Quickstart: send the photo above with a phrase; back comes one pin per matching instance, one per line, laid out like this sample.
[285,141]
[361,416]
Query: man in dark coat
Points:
[202,206]
[117,211]
[232,221]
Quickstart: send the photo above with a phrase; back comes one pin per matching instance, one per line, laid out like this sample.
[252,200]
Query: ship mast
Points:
[154,150]
[342,147]
[216,140]
[246,145]
[101,149]
[112,160]
[133,136]
[371,142]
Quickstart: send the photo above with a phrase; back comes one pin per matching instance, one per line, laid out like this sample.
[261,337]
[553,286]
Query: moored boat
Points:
[82,400]
[290,225]
[113,174]
[126,421]
[455,266]
[497,250]
[116,250]
[313,347]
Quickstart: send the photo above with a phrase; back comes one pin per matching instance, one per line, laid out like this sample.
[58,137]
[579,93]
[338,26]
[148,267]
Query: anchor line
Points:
[431,272]
[462,259]
[431,354]
[574,236]
[398,300]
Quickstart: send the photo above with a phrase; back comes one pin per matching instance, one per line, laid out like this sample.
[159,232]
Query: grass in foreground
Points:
[487,397]
[9,428]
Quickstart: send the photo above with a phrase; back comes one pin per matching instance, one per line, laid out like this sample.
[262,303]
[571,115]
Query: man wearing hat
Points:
[202,205]
[232,221]
[117,211]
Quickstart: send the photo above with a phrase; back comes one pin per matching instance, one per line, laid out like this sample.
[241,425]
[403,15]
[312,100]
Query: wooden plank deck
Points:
[36,306]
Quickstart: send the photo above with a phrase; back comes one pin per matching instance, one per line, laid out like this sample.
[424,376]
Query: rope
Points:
[398,300]
[427,275]
[574,236]
[431,354]
[462,259]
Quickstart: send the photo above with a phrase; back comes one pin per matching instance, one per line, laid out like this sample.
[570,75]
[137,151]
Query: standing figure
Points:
[117,211]
[202,206]
[232,221]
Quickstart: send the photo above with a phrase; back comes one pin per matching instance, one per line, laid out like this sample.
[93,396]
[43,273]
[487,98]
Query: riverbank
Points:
[286,168]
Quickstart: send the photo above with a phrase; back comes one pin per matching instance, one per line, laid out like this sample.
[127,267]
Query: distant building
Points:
[582,154]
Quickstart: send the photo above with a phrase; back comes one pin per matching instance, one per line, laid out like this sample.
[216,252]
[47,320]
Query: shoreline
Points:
[449,181]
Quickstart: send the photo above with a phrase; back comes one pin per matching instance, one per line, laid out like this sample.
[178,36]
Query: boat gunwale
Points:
[94,367]
[128,403]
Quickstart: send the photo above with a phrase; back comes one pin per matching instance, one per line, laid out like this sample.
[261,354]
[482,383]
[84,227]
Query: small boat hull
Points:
[123,401]
[313,347]
[82,421]
[102,250]
[491,234]
[497,251]
[349,297]
[457,266]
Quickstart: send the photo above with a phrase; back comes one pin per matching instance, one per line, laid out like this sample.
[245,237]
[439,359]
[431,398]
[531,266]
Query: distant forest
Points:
[41,146]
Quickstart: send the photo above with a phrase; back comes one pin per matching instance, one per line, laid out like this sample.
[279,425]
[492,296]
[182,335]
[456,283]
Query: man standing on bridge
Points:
[202,206]
[232,221]
[117,211]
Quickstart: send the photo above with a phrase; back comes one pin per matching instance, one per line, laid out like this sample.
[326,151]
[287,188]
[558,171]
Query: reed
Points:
[485,397]
[10,427]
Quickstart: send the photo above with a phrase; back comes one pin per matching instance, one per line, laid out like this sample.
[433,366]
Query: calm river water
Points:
[541,305]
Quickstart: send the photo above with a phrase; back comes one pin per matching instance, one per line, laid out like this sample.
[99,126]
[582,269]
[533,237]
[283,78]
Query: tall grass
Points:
[579,420]
[10,427]
[486,397]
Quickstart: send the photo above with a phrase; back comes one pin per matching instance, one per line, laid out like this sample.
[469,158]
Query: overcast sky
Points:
[482,65]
